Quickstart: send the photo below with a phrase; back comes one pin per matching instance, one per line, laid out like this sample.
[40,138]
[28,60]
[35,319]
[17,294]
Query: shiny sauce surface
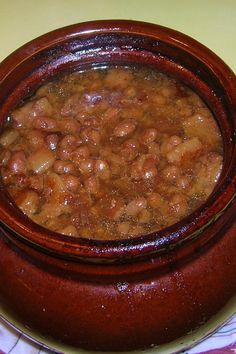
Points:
[111,153]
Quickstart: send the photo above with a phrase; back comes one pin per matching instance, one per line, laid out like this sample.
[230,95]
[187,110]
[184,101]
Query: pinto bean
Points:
[62,167]
[69,230]
[92,185]
[171,172]
[42,107]
[144,216]
[101,169]
[91,136]
[52,141]
[69,140]
[170,143]
[68,126]
[183,182]
[135,206]
[71,106]
[136,230]
[45,124]
[71,182]
[36,183]
[17,163]
[66,147]
[154,149]
[148,136]
[81,152]
[86,166]
[64,153]
[36,139]
[149,168]
[8,137]
[125,128]
[123,228]
[4,157]
[130,149]
[178,204]
[154,200]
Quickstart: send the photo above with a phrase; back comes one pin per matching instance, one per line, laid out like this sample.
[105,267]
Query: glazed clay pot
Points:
[121,295]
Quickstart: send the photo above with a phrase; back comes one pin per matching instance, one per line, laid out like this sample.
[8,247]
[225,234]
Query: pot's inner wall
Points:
[103,49]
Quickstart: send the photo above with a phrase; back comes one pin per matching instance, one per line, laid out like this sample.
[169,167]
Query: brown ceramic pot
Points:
[121,295]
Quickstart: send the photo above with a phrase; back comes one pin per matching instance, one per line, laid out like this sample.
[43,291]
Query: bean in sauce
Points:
[111,153]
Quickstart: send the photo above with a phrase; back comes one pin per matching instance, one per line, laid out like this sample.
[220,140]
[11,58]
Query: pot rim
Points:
[166,239]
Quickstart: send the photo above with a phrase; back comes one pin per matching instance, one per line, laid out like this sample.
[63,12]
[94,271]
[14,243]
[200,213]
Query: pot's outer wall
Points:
[115,312]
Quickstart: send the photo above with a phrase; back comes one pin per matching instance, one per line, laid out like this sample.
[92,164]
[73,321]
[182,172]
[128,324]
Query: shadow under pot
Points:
[128,293]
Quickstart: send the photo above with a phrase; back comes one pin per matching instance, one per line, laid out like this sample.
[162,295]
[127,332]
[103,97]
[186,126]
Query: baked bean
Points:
[171,172]
[101,169]
[110,153]
[169,91]
[148,136]
[123,228]
[135,206]
[71,106]
[8,137]
[69,230]
[86,166]
[62,167]
[130,149]
[112,207]
[178,204]
[82,152]
[183,182]
[170,143]
[71,182]
[154,200]
[45,124]
[36,139]
[42,107]
[92,185]
[69,141]
[136,230]
[159,99]
[4,157]
[68,126]
[149,168]
[154,149]
[52,141]
[125,128]
[66,146]
[17,163]
[36,183]
[91,136]
[64,153]
[144,216]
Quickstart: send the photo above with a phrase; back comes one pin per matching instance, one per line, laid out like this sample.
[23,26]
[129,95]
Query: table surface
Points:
[211,22]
